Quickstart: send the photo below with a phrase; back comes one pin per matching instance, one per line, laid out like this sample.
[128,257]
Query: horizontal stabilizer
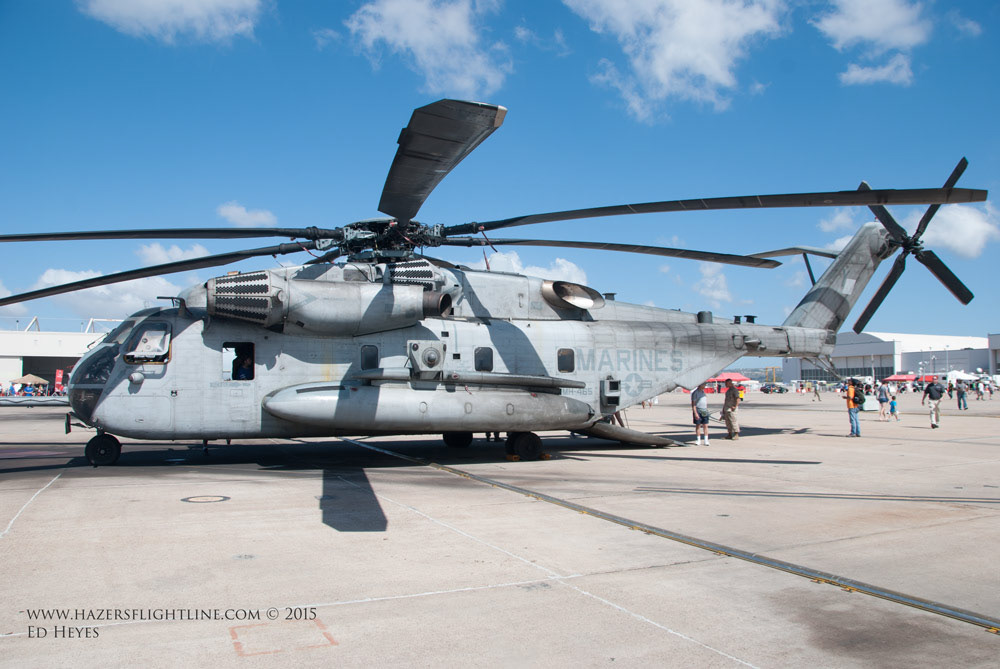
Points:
[796,250]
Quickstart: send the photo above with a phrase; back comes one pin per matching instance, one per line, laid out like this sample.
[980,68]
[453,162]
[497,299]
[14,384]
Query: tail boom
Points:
[827,305]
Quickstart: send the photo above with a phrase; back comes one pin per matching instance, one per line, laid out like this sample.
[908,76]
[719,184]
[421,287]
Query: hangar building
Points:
[32,351]
[882,354]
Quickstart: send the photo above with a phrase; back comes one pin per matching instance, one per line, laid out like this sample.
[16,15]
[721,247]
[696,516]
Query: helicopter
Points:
[372,337]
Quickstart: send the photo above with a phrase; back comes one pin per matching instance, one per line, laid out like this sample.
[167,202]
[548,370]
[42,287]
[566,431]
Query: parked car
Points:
[773,388]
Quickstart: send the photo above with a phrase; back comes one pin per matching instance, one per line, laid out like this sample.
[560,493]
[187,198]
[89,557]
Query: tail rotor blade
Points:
[883,290]
[945,276]
[886,219]
[931,210]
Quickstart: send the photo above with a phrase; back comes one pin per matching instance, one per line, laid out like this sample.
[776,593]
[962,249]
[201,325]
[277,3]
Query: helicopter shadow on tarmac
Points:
[346,500]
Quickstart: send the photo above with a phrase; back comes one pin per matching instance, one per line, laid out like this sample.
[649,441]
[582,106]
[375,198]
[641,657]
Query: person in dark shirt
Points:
[934,392]
[244,371]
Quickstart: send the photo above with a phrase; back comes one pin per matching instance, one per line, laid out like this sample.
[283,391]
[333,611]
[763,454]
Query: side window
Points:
[484,359]
[369,357]
[238,361]
[566,360]
[149,343]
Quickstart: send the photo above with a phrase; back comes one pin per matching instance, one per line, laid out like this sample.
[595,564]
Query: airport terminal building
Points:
[882,354]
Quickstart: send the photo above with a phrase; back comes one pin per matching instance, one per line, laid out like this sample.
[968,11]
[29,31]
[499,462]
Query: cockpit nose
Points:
[89,377]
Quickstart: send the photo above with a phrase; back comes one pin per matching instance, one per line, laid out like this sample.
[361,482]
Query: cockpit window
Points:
[118,335]
[150,343]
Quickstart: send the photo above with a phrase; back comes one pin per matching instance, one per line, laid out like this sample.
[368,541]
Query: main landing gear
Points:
[524,446]
[457,439]
[519,445]
[103,450]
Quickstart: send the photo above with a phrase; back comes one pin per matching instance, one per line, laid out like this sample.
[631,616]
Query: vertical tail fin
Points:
[831,299]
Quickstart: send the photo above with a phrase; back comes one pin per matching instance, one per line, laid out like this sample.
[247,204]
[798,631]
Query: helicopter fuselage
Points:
[391,349]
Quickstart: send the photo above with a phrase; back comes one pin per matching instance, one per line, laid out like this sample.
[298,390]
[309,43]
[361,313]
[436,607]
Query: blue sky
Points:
[205,113]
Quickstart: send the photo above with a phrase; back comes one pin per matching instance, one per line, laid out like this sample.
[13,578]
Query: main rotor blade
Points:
[944,275]
[822,199]
[931,210]
[437,138]
[158,270]
[708,256]
[890,280]
[176,233]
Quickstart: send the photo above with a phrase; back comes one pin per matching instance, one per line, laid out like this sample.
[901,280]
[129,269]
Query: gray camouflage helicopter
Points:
[390,341]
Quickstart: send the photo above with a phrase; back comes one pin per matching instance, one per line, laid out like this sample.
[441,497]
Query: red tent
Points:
[901,377]
[721,378]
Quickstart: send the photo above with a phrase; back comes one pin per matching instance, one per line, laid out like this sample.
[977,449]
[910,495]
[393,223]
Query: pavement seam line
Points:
[28,503]
[848,584]
[644,619]
[553,575]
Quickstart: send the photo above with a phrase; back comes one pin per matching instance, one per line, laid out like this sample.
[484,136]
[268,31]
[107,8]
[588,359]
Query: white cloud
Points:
[842,218]
[797,280]
[556,43]
[237,214]
[838,244]
[964,25]
[665,269]
[878,25]
[560,269]
[440,39]
[962,228]
[115,300]
[157,254]
[896,71]
[671,242]
[324,37]
[18,309]
[713,284]
[166,20]
[678,48]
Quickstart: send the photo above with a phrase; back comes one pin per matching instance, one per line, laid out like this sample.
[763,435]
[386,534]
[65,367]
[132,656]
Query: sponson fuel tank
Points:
[347,407]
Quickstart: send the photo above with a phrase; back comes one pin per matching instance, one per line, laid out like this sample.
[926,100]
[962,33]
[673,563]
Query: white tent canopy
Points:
[957,375]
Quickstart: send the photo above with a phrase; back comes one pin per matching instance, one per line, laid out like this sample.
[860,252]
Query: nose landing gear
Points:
[103,450]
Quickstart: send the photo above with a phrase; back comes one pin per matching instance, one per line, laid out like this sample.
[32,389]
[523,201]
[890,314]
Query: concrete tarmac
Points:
[325,552]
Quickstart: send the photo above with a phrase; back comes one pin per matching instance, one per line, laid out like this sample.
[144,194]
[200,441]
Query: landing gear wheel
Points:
[457,439]
[103,450]
[525,445]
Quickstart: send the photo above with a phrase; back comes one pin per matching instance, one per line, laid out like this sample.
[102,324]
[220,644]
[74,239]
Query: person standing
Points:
[934,391]
[894,409]
[729,408]
[699,413]
[816,397]
[883,401]
[851,395]
[960,389]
